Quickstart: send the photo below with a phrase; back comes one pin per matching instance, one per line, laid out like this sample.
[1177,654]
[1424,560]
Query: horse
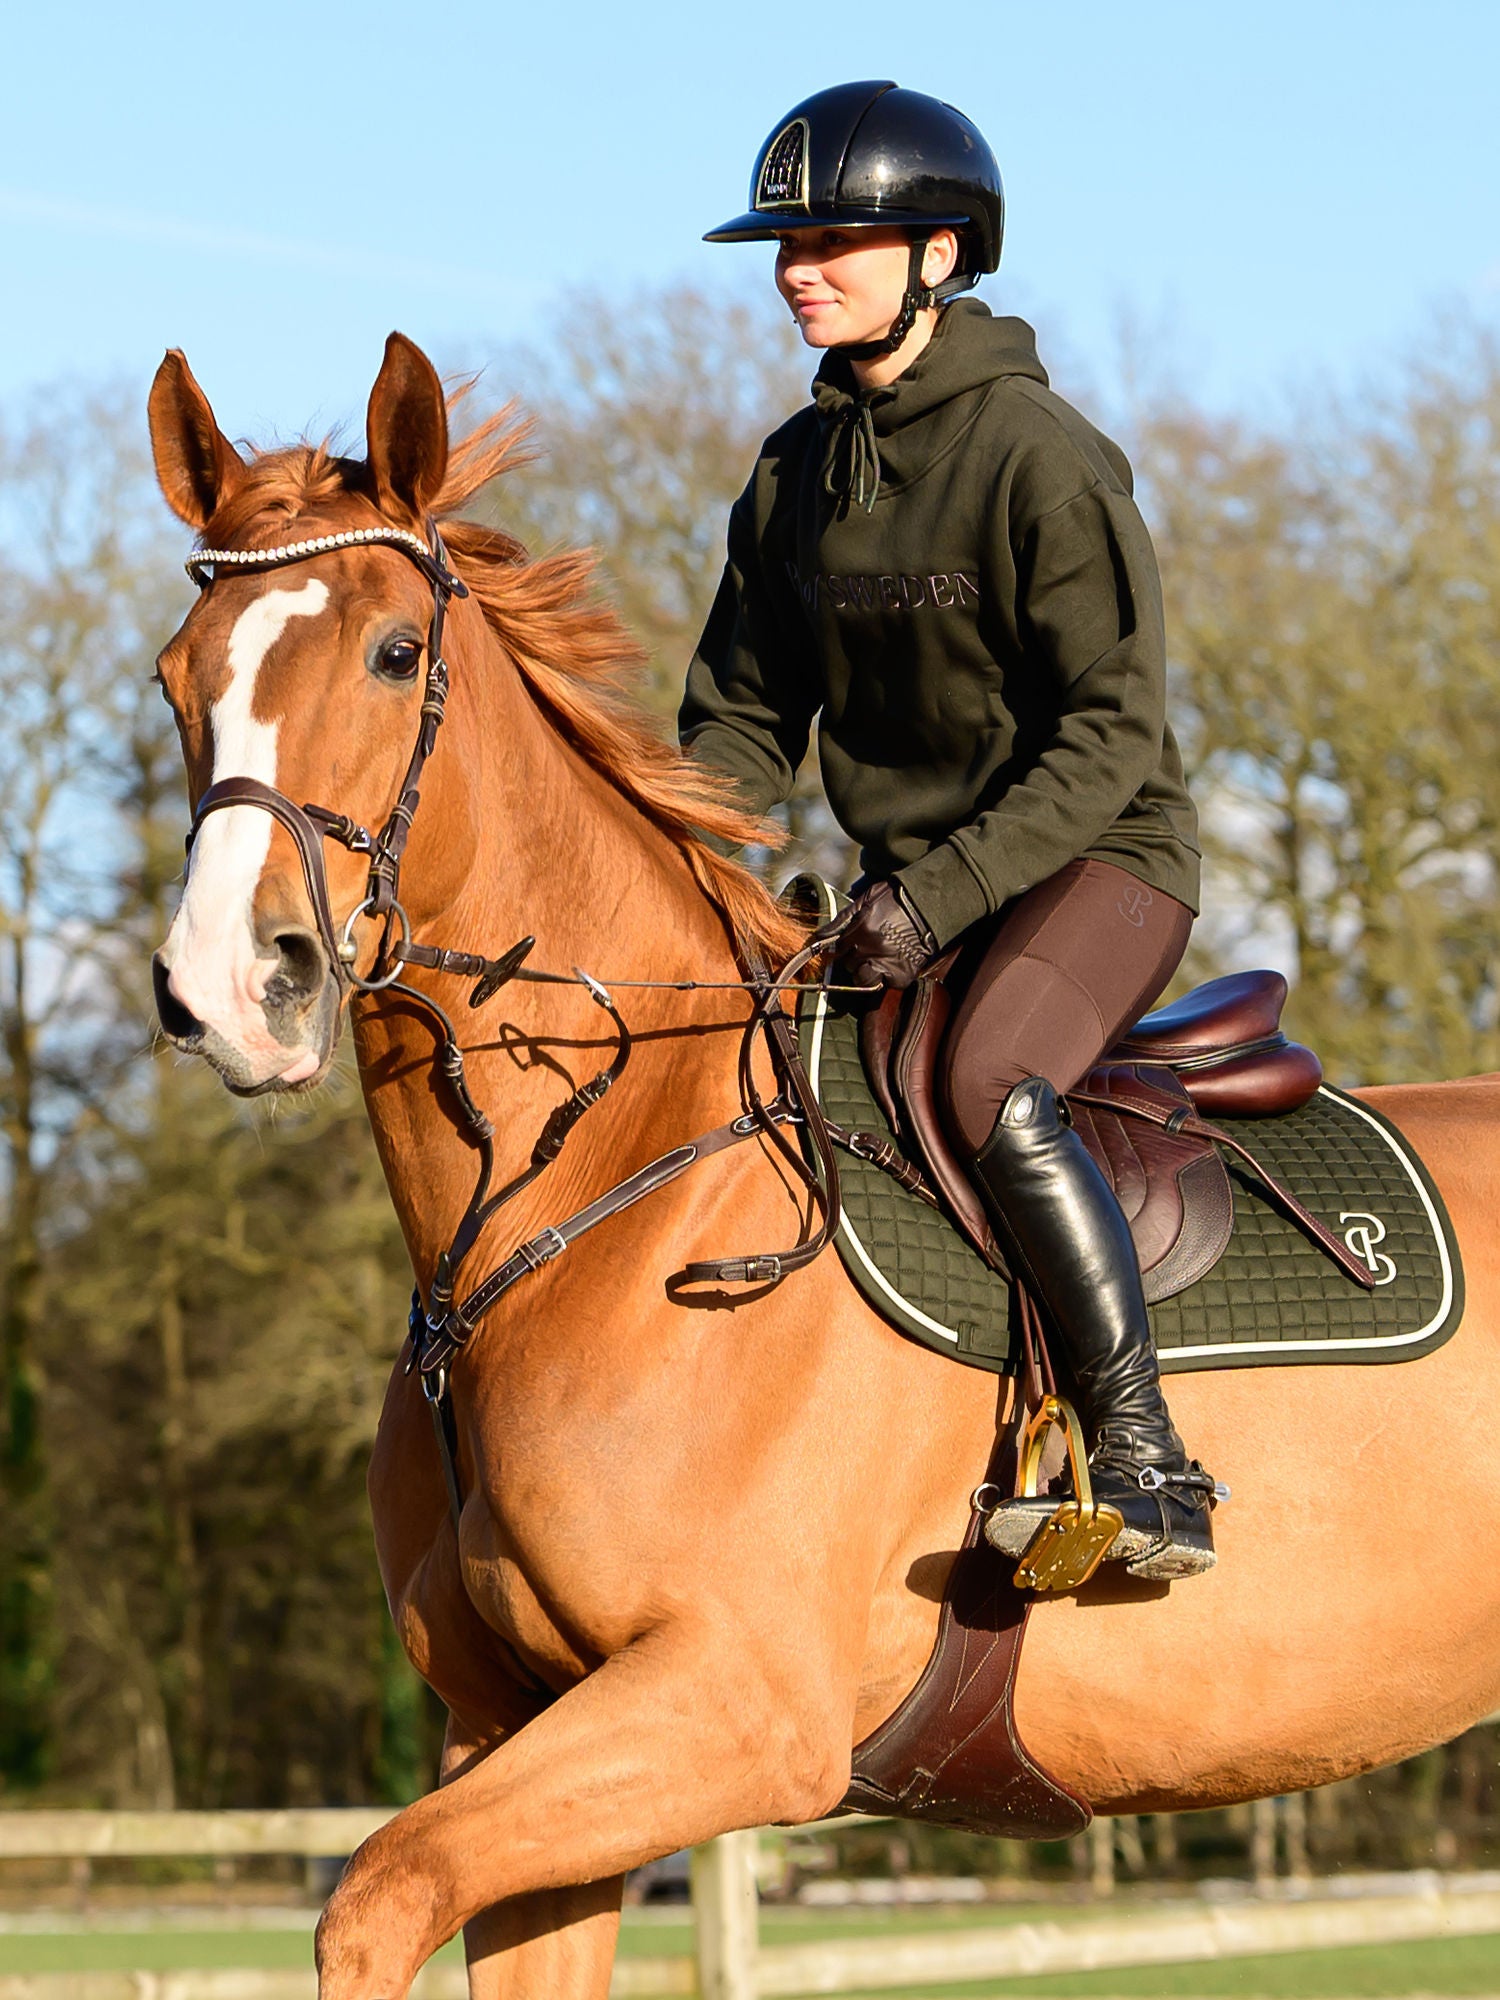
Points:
[703,1532]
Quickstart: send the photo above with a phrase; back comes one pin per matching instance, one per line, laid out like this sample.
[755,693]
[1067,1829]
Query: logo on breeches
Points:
[1363,1233]
[1133,906]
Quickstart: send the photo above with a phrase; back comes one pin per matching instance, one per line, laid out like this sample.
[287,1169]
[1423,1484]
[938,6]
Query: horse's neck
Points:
[560,854]
[564,855]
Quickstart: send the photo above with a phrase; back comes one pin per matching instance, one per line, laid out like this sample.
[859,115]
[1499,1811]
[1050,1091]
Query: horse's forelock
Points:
[277,487]
[289,480]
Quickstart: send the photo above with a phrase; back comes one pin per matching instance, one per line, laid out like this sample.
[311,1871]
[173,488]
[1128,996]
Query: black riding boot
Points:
[1057,1215]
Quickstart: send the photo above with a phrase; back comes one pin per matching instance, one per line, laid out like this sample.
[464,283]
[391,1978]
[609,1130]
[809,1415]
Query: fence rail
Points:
[94,1836]
[730,1963]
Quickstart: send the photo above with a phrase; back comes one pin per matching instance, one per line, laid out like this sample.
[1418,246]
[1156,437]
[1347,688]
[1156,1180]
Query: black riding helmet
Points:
[871,155]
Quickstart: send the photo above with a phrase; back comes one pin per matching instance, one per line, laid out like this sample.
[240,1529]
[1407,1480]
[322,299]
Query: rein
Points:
[443,1325]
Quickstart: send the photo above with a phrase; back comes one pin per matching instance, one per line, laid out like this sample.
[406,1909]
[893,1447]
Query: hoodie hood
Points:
[887,437]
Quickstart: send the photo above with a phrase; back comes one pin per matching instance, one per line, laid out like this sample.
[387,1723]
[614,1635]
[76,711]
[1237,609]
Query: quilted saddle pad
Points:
[1273,1298]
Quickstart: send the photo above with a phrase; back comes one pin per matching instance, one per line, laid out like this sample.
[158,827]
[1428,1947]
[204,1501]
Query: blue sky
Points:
[1274,194]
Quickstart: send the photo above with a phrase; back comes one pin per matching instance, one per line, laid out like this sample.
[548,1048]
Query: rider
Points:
[941,560]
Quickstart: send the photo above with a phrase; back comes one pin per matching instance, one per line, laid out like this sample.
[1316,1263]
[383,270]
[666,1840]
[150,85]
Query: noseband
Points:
[311,825]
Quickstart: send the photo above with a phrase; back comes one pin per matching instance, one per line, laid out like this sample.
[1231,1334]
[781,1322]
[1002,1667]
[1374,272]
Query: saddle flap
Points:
[913,1076]
[1171,1184]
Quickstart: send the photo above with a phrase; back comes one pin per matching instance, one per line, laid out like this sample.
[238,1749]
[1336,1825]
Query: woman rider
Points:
[941,560]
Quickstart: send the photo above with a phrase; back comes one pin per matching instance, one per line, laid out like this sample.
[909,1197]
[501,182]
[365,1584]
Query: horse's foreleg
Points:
[555,1944]
[669,1743]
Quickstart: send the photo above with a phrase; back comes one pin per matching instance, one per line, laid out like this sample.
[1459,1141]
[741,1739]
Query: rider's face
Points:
[843,285]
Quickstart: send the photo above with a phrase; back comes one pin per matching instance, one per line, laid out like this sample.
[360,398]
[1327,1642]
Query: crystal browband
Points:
[207,559]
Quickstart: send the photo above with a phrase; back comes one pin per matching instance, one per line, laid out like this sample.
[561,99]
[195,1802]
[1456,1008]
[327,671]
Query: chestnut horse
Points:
[703,1541]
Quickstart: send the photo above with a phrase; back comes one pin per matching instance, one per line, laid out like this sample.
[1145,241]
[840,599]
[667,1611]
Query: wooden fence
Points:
[730,1963]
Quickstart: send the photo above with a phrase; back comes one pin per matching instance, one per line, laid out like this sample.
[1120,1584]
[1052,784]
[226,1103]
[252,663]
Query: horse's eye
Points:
[399,659]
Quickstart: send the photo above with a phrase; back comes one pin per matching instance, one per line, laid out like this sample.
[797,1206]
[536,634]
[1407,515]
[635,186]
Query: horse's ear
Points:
[196,464]
[406,430]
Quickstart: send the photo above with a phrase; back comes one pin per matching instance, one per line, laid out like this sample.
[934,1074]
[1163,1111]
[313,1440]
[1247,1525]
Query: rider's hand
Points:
[884,941]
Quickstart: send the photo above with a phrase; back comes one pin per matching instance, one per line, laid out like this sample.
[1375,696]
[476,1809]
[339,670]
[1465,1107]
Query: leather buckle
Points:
[543,1248]
[761,1270]
[1070,1545]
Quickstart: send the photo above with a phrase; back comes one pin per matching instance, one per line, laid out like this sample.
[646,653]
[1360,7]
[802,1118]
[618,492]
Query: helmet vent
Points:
[783,173]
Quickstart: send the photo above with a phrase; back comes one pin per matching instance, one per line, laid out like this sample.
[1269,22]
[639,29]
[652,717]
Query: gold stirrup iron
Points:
[1067,1549]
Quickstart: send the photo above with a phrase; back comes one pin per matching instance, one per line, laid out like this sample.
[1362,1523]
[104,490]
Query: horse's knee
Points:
[398,1901]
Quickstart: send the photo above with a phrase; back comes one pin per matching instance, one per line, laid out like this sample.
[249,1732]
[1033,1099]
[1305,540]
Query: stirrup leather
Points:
[1069,1546]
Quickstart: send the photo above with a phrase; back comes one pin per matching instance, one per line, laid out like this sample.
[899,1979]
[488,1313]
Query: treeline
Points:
[199,1301]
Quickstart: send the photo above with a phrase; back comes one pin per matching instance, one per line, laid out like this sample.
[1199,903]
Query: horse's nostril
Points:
[301,969]
[177,1021]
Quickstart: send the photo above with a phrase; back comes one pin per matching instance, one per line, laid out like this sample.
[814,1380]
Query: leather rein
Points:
[442,1325]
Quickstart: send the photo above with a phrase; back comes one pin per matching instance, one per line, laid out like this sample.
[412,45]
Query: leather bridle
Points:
[310,825]
[443,1323]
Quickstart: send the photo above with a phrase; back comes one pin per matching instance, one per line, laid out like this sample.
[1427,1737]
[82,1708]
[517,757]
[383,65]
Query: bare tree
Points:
[1334,609]
[79,582]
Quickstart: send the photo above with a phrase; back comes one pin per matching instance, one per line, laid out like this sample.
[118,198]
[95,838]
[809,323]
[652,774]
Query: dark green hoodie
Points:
[980,633]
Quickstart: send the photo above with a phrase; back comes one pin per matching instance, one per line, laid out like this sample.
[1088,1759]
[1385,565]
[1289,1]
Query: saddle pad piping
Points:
[1361,1350]
[846,1229]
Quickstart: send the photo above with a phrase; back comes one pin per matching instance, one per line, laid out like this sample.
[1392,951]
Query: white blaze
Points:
[211,947]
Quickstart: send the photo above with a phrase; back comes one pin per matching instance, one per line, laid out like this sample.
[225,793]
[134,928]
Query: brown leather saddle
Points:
[1220,1049]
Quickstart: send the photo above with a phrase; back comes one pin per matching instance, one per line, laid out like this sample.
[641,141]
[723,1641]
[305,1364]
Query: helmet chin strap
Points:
[916,298]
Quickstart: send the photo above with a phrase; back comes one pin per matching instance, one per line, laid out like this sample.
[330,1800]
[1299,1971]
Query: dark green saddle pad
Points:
[1273,1297]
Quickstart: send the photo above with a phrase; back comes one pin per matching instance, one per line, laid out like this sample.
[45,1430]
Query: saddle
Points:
[1219,1049]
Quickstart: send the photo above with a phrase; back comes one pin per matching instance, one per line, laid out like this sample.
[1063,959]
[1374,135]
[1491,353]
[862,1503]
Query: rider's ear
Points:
[941,257]
[407,430]
[196,464]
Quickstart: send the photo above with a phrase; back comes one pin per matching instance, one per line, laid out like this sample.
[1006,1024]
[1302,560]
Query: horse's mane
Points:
[569,646]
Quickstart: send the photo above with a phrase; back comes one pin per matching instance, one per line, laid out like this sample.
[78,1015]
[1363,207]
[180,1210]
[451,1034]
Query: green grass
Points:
[1456,1966]
[158,1951]
[791,1925]
[1447,1966]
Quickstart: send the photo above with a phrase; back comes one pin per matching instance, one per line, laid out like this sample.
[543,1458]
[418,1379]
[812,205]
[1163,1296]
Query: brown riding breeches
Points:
[1069,966]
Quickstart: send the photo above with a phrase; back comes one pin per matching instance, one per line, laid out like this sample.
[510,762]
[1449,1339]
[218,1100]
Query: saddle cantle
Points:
[1220,1048]
[1224,1040]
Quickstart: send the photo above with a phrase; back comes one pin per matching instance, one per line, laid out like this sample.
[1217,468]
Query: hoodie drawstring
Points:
[851,470]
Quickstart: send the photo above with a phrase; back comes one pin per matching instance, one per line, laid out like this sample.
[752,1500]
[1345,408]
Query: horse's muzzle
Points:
[285,1036]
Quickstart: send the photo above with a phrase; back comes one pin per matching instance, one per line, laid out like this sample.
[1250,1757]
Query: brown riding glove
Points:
[883,940]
